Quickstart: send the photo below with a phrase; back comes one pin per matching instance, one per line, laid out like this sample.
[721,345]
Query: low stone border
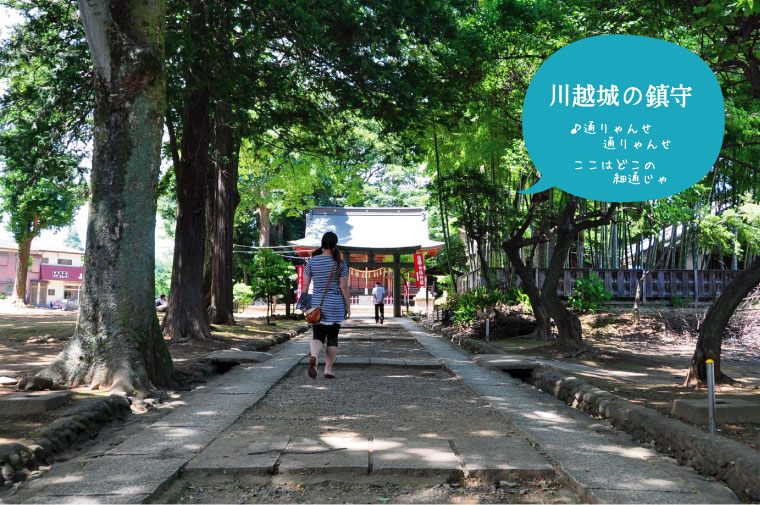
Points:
[712,455]
[198,369]
[17,460]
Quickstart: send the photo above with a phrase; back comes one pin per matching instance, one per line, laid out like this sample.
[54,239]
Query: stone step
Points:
[247,451]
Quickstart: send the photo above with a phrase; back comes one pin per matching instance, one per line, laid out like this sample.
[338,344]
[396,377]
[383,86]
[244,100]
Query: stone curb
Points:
[713,455]
[18,460]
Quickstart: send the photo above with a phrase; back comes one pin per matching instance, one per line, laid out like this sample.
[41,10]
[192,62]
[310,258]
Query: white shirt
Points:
[379,293]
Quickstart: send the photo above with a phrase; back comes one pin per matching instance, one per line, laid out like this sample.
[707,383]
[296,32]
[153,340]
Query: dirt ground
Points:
[647,363]
[240,489]
[30,339]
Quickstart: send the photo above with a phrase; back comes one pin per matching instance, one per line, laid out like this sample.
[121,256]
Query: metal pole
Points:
[488,329]
[710,366]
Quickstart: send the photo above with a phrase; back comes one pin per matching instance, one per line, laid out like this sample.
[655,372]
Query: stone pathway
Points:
[395,409]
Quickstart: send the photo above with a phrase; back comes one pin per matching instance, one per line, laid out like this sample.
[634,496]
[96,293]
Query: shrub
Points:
[2,296]
[589,294]
[516,297]
[467,305]
[242,294]
[677,302]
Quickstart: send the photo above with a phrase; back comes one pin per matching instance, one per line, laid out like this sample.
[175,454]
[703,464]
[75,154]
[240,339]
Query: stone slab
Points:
[167,441]
[90,499]
[348,361]
[33,402]
[727,410]
[504,363]
[388,362]
[502,458]
[419,457]
[617,496]
[213,410]
[238,453]
[236,357]
[423,363]
[111,475]
[326,454]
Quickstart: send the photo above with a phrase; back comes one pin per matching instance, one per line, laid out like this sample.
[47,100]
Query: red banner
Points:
[299,290]
[419,270]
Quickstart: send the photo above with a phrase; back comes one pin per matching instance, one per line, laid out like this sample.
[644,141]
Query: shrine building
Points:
[372,240]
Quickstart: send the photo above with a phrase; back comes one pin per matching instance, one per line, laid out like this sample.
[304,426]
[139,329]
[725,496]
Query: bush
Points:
[467,305]
[2,296]
[589,294]
[242,294]
[677,302]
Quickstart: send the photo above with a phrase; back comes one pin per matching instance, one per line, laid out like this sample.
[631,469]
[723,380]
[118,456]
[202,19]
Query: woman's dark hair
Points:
[329,241]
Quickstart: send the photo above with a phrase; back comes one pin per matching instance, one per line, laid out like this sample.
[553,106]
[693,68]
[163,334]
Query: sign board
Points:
[419,269]
[60,273]
[299,289]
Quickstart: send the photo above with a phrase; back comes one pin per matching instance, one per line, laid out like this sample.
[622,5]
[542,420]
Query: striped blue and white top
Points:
[333,308]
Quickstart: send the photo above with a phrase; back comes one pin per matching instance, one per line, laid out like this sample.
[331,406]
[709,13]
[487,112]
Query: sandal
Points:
[313,367]
[329,375]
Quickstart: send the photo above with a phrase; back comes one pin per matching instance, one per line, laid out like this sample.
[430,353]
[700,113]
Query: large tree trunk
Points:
[117,341]
[208,245]
[226,200]
[712,328]
[22,272]
[543,324]
[568,325]
[186,316]
[265,225]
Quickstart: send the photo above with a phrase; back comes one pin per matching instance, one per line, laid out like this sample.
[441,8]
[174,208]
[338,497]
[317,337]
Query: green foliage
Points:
[72,239]
[677,302]
[589,294]
[43,113]
[2,296]
[467,305]
[163,276]
[242,294]
[270,275]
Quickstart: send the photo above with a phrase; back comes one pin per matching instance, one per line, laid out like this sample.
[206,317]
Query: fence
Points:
[664,283]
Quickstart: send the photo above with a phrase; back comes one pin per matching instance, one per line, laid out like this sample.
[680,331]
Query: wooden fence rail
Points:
[664,283]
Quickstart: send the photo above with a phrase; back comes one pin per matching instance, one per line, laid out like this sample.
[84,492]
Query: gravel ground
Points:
[374,401]
[235,490]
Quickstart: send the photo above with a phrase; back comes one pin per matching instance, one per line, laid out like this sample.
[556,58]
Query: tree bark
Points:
[265,224]
[117,341]
[186,316]
[543,324]
[22,271]
[712,328]
[208,244]
[226,200]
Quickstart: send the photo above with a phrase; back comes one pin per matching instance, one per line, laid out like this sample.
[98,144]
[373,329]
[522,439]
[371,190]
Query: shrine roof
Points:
[374,229]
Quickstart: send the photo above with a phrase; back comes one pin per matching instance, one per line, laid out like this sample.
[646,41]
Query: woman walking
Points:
[330,274]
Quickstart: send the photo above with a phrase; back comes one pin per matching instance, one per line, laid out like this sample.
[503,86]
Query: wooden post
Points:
[396,285]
